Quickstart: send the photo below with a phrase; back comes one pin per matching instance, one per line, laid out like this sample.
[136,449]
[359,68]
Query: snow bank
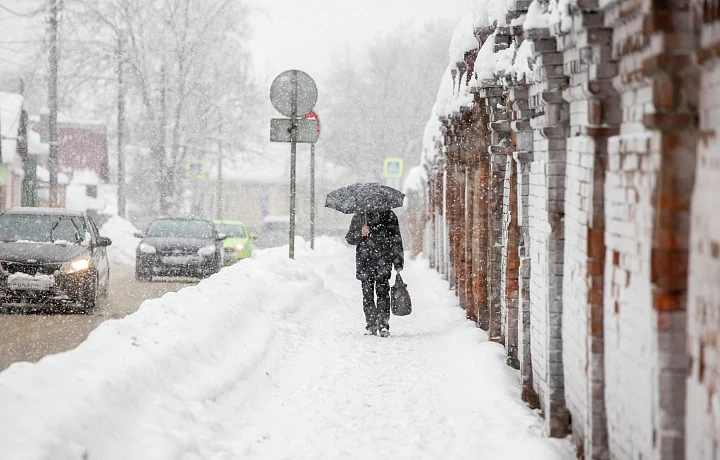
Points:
[112,395]
[124,244]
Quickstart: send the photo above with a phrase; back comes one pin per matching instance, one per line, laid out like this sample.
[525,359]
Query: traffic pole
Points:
[312,196]
[293,161]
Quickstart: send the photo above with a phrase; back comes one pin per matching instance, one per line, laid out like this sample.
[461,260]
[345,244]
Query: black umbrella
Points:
[356,198]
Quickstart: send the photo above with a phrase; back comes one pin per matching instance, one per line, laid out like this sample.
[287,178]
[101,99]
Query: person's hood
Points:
[29,252]
[165,244]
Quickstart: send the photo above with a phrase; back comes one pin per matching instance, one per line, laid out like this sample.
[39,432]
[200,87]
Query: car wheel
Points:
[90,297]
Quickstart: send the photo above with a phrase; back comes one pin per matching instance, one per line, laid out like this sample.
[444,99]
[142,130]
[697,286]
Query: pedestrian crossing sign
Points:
[195,169]
[393,167]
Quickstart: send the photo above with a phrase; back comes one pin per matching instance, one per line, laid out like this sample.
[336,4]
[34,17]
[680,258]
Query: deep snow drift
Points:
[267,359]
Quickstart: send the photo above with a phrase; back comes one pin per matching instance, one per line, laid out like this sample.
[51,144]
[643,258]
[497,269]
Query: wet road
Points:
[30,336]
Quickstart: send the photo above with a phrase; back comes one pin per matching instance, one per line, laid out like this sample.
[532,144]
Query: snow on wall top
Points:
[463,39]
[493,65]
[555,14]
[415,180]
[432,137]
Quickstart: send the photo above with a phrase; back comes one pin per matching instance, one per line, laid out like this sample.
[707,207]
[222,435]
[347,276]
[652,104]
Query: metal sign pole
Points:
[312,196]
[302,93]
[293,161]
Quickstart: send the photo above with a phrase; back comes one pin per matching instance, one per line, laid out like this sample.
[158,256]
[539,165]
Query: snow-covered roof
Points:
[35,146]
[85,177]
[258,163]
[43,175]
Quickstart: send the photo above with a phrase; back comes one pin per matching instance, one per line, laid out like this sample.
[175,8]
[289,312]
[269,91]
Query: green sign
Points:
[195,169]
[393,167]
[3,173]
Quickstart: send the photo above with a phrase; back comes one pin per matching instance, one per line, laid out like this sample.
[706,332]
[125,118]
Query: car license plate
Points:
[178,260]
[29,285]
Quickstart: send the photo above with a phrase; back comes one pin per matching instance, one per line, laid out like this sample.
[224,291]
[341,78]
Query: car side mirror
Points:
[139,235]
[254,236]
[103,241]
[221,236]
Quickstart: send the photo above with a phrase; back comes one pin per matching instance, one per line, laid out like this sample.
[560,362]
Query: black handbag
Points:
[400,302]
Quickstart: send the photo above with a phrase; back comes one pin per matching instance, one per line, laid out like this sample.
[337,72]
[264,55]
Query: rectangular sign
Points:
[195,169]
[393,167]
[306,130]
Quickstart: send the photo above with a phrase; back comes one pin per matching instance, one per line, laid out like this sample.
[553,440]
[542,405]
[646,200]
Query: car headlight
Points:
[147,249]
[240,247]
[74,266]
[207,251]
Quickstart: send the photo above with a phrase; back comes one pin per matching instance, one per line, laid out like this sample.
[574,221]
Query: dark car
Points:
[275,232]
[52,256]
[179,246]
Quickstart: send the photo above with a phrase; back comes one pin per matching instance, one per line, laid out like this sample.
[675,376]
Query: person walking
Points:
[378,248]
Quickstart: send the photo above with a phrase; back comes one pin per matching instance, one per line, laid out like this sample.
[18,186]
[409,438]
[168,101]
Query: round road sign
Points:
[289,83]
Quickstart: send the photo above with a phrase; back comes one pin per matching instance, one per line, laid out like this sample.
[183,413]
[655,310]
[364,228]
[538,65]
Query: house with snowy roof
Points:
[256,185]
[82,162]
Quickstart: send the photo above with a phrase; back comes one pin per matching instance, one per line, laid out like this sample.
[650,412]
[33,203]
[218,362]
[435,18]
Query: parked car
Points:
[179,246]
[275,231]
[239,242]
[52,256]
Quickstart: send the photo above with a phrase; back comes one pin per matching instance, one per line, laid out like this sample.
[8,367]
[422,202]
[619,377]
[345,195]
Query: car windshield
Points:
[180,228]
[231,230]
[42,229]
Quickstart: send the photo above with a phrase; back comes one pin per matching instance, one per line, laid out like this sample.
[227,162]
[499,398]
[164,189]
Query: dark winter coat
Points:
[381,249]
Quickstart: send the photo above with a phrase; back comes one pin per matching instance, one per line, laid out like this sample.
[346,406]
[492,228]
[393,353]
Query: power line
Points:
[26,15]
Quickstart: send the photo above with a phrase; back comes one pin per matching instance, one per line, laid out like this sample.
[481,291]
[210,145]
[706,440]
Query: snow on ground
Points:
[267,359]
[124,243]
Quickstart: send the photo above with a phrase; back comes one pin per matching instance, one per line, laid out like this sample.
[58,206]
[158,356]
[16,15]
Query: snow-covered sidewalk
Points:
[268,360]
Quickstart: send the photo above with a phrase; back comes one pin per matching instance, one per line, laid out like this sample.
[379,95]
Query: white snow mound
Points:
[124,243]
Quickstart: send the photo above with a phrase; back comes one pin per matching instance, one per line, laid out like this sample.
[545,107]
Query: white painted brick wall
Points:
[575,286]
[703,390]
[630,334]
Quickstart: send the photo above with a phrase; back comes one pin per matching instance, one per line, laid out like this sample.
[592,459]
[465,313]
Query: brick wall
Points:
[580,188]
[588,62]
[546,209]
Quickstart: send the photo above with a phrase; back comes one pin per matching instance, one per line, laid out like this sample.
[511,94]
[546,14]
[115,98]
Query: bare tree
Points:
[379,105]
[185,67]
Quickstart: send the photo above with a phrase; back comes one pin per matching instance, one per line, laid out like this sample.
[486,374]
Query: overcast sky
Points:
[300,34]
[307,34]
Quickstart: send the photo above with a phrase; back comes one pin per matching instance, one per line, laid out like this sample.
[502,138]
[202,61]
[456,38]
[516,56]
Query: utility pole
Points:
[52,101]
[293,160]
[120,128]
[219,201]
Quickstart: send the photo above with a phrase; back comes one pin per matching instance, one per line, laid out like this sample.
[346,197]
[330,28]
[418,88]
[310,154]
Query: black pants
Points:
[377,314]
